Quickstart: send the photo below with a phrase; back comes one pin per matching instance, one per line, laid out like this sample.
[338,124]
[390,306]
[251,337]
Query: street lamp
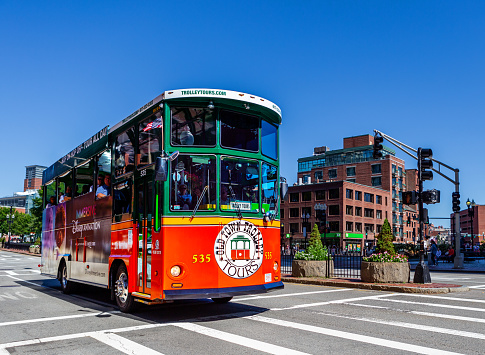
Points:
[471,214]
[305,217]
[10,217]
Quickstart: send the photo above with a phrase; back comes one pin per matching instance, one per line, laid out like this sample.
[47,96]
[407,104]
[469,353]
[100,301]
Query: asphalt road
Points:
[35,317]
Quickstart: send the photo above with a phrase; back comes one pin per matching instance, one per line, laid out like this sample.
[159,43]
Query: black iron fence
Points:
[346,264]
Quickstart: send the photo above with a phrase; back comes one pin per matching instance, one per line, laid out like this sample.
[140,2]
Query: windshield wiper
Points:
[199,201]
[233,196]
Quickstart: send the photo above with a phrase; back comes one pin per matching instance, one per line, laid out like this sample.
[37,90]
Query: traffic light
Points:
[425,217]
[431,196]
[378,146]
[425,164]
[409,198]
[456,201]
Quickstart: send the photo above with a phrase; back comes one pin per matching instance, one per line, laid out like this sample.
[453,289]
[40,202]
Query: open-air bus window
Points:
[84,179]
[193,126]
[149,139]
[50,195]
[269,187]
[122,198]
[239,131]
[193,178]
[65,187]
[103,183]
[125,152]
[269,140]
[239,185]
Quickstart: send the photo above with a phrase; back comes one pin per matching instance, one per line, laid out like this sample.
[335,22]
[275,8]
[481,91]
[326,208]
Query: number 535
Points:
[201,258]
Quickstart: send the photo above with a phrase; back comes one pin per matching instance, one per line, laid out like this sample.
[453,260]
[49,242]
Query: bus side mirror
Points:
[283,188]
[161,166]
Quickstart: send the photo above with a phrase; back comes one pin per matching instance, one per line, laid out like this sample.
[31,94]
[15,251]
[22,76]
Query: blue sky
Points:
[411,69]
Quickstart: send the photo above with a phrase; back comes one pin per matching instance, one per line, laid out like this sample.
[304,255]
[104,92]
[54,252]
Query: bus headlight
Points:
[175,271]
[275,266]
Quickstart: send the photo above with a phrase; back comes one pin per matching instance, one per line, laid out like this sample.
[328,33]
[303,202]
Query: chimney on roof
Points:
[320,150]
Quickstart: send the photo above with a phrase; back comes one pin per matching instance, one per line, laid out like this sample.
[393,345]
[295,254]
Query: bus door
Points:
[144,193]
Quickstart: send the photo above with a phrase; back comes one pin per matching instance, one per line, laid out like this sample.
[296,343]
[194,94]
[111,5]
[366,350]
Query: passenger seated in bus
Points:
[100,182]
[224,196]
[105,189]
[67,195]
[52,201]
[196,195]
[85,189]
[183,197]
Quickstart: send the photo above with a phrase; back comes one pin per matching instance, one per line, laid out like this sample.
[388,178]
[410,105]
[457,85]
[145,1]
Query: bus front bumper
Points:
[180,294]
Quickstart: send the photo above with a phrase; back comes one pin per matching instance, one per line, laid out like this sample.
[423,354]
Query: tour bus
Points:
[179,200]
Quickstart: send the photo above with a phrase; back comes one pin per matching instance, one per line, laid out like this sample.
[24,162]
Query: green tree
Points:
[316,250]
[36,212]
[384,239]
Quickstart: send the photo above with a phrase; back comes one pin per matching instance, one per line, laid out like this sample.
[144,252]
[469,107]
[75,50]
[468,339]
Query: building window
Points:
[376,168]
[333,210]
[306,179]
[294,212]
[358,227]
[306,196]
[376,181]
[348,226]
[368,197]
[349,194]
[332,173]
[378,214]
[379,199]
[282,213]
[358,195]
[369,228]
[378,228]
[333,194]
[368,212]
[294,197]
[294,227]
[349,210]
[351,171]
[351,180]
[320,195]
[358,211]
[334,226]
[318,175]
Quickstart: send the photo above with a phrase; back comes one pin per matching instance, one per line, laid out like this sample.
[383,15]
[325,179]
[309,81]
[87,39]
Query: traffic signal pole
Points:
[458,263]
[421,274]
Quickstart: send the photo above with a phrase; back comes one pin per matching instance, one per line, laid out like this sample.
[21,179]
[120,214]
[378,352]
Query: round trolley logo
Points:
[239,249]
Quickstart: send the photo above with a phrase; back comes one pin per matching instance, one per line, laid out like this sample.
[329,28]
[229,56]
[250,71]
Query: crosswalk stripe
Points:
[445,298]
[352,336]
[292,294]
[477,286]
[436,305]
[122,344]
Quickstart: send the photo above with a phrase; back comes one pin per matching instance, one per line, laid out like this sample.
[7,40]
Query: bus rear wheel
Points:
[124,299]
[222,300]
[66,286]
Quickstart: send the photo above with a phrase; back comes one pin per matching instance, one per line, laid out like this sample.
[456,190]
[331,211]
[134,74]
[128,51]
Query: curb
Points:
[20,252]
[377,287]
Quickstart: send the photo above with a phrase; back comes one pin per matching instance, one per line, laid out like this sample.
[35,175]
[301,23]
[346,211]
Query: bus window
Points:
[149,137]
[239,185]
[269,140]
[122,197]
[50,197]
[193,180]
[103,183]
[124,152]
[239,131]
[193,126]
[269,187]
[84,179]
[65,187]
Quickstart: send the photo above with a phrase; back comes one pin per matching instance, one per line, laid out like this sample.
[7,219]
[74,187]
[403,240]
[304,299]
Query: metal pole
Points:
[458,261]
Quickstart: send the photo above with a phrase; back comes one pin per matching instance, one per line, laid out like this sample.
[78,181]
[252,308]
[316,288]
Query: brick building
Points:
[466,221]
[353,168]
[33,177]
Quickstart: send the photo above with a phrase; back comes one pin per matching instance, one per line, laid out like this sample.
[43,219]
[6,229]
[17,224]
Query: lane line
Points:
[334,302]
[438,305]
[477,286]
[32,283]
[73,316]
[239,340]
[428,314]
[292,294]
[124,345]
[352,336]
[411,326]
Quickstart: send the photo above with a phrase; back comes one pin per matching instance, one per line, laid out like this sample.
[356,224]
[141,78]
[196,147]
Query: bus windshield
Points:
[239,185]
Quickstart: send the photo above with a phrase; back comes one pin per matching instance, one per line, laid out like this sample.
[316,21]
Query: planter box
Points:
[311,268]
[376,272]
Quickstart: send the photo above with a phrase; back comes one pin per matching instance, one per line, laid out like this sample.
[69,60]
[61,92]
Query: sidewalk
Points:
[12,250]
[477,266]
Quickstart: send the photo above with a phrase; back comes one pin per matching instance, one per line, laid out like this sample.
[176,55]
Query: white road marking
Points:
[334,302]
[37,320]
[412,326]
[477,286]
[122,344]
[437,305]
[352,336]
[16,273]
[19,279]
[237,339]
[445,298]
[292,294]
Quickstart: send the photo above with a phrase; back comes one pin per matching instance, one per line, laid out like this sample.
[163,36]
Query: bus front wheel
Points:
[222,300]
[124,299]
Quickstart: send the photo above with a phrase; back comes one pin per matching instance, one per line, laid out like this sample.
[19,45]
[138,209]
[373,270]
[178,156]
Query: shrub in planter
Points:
[312,262]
